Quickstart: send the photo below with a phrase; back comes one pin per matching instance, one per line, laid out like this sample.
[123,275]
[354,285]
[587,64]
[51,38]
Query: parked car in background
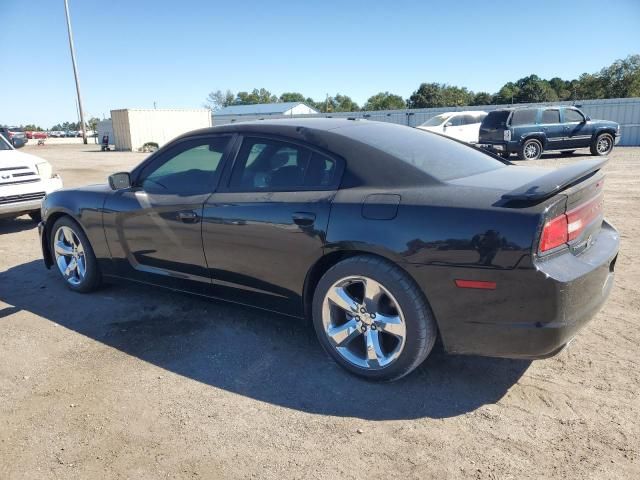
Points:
[528,131]
[24,181]
[13,133]
[386,237]
[459,125]
[36,135]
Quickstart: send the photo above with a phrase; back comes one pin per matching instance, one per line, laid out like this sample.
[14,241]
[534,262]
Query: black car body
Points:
[560,128]
[464,227]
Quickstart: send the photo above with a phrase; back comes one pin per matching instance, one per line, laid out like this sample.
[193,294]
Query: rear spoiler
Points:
[552,183]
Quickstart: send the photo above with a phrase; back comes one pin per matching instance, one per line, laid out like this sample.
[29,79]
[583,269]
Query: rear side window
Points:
[572,116]
[551,116]
[273,165]
[496,119]
[526,116]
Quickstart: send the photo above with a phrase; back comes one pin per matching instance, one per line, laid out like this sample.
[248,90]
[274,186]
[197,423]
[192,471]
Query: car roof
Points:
[522,107]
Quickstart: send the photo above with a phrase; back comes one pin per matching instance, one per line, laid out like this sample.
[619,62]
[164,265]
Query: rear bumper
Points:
[533,312]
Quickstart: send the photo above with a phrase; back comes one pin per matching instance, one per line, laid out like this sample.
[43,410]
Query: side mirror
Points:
[587,118]
[120,181]
[18,142]
[448,124]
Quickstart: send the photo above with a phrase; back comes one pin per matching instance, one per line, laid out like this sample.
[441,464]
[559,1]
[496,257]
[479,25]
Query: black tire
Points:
[567,152]
[530,150]
[92,277]
[421,329]
[597,147]
[35,216]
[505,155]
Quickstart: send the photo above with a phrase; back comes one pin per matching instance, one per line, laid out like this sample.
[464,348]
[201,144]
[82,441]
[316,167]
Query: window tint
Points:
[469,119]
[435,121]
[273,165]
[190,168]
[526,116]
[456,120]
[495,119]
[571,115]
[437,156]
[551,116]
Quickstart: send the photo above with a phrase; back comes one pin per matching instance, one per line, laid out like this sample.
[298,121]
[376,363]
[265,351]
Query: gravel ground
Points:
[135,382]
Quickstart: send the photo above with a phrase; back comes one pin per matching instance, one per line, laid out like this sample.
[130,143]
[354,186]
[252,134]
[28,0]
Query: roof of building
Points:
[259,108]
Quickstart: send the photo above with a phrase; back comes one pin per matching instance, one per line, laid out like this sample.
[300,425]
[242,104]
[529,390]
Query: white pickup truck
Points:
[24,181]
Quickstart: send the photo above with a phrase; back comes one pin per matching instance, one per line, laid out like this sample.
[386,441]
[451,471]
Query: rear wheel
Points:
[372,319]
[73,255]
[602,145]
[530,150]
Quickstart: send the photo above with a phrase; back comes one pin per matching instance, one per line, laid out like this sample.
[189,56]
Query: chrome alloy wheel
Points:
[604,144]
[363,322]
[531,151]
[69,254]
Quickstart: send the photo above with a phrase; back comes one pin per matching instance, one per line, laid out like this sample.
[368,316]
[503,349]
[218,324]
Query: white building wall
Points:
[301,110]
[135,127]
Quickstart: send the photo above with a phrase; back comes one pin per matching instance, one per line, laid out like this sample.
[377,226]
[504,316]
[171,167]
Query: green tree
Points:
[507,94]
[482,98]
[219,99]
[255,96]
[533,89]
[430,95]
[291,97]
[338,103]
[384,101]
[93,123]
[622,78]
[32,128]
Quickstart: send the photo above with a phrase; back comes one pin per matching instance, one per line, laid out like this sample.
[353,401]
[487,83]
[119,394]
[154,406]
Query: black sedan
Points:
[386,237]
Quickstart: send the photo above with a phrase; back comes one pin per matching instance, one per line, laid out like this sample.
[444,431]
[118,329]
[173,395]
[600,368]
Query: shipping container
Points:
[133,128]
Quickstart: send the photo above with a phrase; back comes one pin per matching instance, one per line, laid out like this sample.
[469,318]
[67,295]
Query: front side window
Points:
[456,121]
[273,165]
[526,116]
[190,168]
[551,116]
[435,121]
[571,115]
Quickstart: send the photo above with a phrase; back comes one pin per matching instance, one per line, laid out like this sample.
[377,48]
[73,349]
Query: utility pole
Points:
[75,72]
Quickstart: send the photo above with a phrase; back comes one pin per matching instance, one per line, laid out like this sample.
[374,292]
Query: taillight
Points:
[554,233]
[507,135]
[570,225]
[581,216]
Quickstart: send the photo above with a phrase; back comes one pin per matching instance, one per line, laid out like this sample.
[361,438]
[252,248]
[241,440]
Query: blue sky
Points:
[132,53]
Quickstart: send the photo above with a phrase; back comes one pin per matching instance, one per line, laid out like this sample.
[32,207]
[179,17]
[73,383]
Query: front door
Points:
[578,130]
[553,129]
[154,228]
[267,228]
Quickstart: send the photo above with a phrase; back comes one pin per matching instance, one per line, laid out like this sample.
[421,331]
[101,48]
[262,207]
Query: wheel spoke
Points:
[71,267]
[374,350]
[341,298]
[81,266]
[372,293]
[391,325]
[62,249]
[340,336]
[68,235]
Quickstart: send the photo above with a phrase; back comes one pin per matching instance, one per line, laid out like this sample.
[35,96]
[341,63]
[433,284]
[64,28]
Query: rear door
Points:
[154,228]
[578,131]
[552,128]
[264,230]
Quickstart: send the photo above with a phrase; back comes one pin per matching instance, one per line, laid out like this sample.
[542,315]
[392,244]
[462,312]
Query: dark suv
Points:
[14,135]
[528,131]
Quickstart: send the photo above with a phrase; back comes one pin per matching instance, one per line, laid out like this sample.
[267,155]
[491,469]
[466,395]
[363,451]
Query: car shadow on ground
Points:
[258,354]
[15,225]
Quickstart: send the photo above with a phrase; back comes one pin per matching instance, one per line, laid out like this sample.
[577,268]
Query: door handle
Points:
[304,219]
[188,216]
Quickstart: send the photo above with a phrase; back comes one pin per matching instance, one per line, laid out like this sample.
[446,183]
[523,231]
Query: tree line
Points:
[621,79]
[91,124]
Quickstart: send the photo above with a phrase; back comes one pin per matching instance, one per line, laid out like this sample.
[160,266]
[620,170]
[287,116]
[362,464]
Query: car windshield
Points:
[435,121]
[437,156]
[4,145]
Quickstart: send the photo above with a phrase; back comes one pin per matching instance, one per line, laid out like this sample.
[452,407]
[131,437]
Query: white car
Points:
[463,126]
[24,181]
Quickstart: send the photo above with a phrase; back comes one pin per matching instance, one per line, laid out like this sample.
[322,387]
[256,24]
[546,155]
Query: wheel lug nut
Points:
[362,310]
[373,315]
[363,328]
[373,327]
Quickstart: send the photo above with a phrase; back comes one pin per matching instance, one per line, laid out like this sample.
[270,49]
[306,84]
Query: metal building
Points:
[133,128]
[260,111]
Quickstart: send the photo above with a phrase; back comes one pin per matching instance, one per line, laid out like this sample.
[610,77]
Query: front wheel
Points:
[372,319]
[73,255]
[530,150]
[602,145]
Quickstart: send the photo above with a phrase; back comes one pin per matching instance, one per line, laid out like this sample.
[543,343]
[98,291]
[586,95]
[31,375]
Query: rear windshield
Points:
[526,116]
[497,119]
[437,156]
[435,121]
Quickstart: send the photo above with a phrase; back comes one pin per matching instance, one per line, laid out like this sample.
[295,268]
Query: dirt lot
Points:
[133,382]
